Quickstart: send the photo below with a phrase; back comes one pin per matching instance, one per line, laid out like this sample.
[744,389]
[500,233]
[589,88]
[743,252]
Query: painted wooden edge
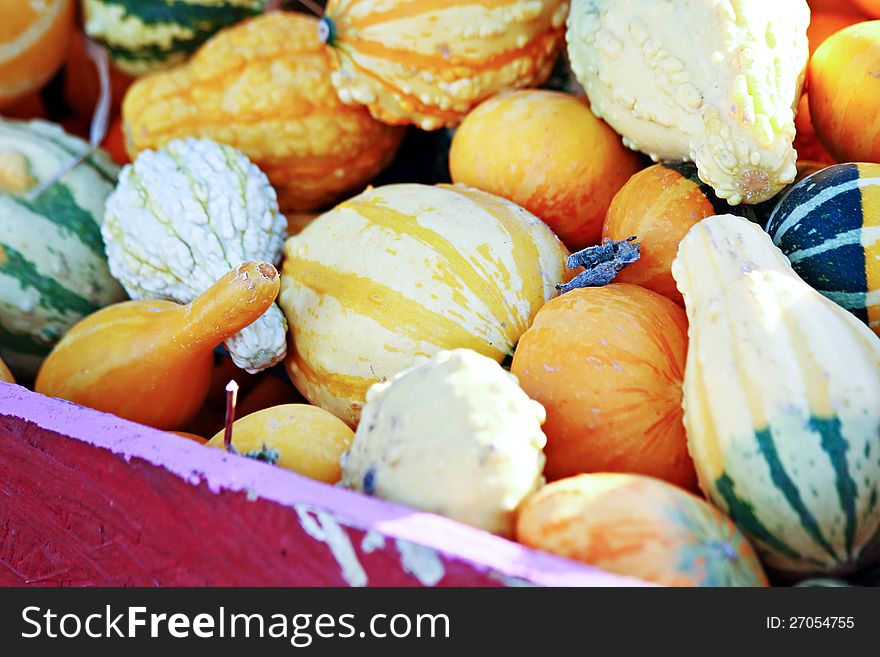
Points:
[318,506]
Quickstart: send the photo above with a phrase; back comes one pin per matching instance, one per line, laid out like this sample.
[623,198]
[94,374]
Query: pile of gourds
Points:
[686,349]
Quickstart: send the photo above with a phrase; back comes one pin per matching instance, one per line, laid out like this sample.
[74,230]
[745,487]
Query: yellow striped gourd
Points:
[781,400]
[399,273]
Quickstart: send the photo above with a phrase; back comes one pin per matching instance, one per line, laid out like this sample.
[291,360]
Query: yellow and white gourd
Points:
[184,215]
[454,435]
[712,81]
[398,273]
[781,400]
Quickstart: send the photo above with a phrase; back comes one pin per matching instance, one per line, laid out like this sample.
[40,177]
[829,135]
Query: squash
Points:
[143,36]
[844,94]
[827,226]
[189,436]
[781,393]
[82,86]
[151,361]
[712,82]
[869,7]
[641,527]
[607,364]
[114,143]
[33,45]
[53,271]
[430,63]
[398,273]
[454,435]
[29,107]
[184,215]
[658,206]
[298,437]
[264,88]
[568,182]
[5,374]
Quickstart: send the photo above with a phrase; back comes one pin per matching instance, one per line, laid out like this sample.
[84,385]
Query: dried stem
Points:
[231,400]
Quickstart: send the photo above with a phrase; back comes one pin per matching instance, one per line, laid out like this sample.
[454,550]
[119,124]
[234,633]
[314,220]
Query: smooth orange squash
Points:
[151,361]
[33,44]
[658,206]
[545,151]
[5,374]
[870,7]
[844,93]
[607,364]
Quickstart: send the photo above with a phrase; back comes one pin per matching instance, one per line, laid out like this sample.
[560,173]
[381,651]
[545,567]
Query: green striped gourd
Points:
[399,273]
[828,225]
[148,35]
[781,400]
[53,270]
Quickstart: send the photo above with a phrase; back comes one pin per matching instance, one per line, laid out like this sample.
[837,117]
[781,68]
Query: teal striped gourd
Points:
[781,402]
[148,35]
[53,270]
[828,225]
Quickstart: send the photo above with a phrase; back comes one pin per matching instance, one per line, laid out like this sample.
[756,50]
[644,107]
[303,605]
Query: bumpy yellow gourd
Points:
[713,81]
[430,63]
[263,87]
[781,400]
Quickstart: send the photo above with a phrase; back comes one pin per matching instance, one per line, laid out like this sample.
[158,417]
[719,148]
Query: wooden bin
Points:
[87,498]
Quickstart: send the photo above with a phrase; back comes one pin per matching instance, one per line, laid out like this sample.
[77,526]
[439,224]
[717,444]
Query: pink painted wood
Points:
[89,499]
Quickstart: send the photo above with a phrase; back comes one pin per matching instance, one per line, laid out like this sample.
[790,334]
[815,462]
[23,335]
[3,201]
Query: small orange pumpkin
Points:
[506,146]
[639,527]
[607,364]
[658,206]
[844,93]
[33,44]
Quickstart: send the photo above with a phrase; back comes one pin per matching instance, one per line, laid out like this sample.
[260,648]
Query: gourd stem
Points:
[235,301]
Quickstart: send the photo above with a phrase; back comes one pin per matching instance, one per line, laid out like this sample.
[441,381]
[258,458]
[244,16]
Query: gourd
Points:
[182,216]
[713,82]
[53,271]
[568,183]
[607,364]
[148,35]
[82,85]
[151,361]
[298,437]
[398,273]
[431,63]
[453,435]
[870,7]
[33,44]
[845,93]
[781,393]
[639,527]
[5,374]
[658,206]
[826,227]
[264,88]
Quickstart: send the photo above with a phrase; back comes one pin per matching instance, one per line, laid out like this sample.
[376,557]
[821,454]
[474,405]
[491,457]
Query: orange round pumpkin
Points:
[844,93]
[639,527]
[607,364]
[33,44]
[658,206]
[510,146]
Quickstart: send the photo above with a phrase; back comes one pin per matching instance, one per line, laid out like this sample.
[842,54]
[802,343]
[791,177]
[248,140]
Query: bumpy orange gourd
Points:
[639,527]
[658,206]
[263,86]
[430,62]
[607,364]
[33,44]
[844,93]
[545,151]
[5,374]
[151,361]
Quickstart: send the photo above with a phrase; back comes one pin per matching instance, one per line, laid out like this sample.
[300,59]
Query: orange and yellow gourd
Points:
[263,87]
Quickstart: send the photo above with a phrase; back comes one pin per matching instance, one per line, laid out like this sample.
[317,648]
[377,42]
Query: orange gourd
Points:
[639,527]
[658,206]
[33,44]
[151,361]
[607,364]
[844,93]
[29,107]
[190,436]
[263,87]
[511,146]
[870,7]
[114,143]
[5,374]
[82,86]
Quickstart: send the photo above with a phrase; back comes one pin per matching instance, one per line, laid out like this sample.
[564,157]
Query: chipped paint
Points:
[372,541]
[323,527]
[421,562]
